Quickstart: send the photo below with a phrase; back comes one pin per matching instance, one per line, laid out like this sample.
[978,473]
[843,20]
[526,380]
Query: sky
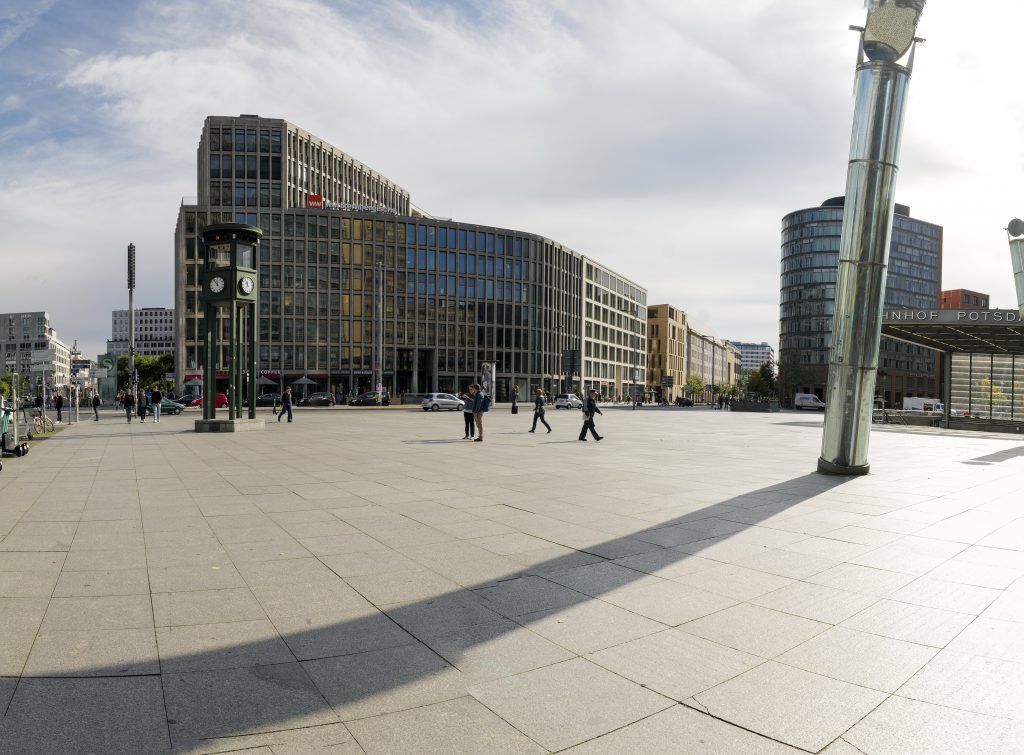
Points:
[663,138]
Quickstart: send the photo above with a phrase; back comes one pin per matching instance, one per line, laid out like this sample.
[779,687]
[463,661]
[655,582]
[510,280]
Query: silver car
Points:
[433,402]
[568,401]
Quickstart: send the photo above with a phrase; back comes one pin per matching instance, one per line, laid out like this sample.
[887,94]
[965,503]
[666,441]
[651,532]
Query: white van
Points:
[808,401]
[922,404]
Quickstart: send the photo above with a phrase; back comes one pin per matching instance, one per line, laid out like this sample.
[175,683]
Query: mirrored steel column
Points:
[1015,233]
[879,105]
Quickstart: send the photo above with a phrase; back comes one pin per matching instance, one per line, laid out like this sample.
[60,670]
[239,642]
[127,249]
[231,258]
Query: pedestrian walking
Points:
[143,406]
[96,407]
[128,402]
[467,416]
[58,404]
[158,397]
[286,404]
[515,400]
[590,408]
[481,404]
[538,410]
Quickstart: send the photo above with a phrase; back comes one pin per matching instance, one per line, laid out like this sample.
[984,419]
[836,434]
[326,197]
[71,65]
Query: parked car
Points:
[684,401]
[370,398]
[568,401]
[171,407]
[436,401]
[318,399]
[268,399]
[219,400]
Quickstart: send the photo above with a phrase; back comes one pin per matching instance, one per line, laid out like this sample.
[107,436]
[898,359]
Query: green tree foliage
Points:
[151,371]
[756,385]
[7,381]
[695,384]
[793,376]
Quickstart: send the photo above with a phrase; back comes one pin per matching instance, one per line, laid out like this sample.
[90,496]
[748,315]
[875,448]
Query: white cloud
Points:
[665,138]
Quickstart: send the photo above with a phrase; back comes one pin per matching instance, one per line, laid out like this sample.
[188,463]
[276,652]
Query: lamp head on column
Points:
[890,29]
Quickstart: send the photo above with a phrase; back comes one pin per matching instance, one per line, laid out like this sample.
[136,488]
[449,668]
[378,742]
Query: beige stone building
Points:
[676,349]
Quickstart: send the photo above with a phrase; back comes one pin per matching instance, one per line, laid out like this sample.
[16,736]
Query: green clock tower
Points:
[230,288]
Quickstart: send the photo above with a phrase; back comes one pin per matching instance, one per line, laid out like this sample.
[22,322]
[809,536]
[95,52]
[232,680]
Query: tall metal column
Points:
[132,386]
[880,100]
[1015,235]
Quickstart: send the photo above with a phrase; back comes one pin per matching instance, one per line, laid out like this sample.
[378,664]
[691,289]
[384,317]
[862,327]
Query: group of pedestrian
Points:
[476,403]
[148,403]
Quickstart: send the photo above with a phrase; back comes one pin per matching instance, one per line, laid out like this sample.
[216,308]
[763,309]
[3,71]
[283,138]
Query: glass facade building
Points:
[810,264]
[347,262]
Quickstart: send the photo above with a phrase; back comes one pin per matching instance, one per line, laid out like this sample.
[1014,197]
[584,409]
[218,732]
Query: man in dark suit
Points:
[590,408]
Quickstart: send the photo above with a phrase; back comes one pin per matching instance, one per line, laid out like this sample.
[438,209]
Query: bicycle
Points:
[41,422]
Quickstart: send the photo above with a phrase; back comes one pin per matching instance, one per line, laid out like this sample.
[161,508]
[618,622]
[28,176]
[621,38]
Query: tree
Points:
[793,376]
[767,373]
[7,381]
[151,371]
[756,385]
[695,384]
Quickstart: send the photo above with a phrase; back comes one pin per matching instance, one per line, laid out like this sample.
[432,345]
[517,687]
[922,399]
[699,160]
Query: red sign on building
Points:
[314,202]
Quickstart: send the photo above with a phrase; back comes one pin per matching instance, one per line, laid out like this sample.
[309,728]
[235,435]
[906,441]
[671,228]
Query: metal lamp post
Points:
[880,104]
[133,386]
[1015,235]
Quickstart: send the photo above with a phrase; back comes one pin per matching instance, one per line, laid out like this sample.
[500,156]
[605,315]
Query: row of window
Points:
[244,140]
[269,168]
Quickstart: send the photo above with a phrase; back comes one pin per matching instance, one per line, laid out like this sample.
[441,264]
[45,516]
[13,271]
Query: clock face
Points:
[246,284]
[216,284]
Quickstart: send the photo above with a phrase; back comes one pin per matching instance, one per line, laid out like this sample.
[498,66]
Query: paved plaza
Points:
[367,581]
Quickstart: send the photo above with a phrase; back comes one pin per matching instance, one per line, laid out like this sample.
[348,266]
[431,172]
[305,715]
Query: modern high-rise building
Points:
[810,264]
[753,355]
[29,346]
[346,257]
[154,332]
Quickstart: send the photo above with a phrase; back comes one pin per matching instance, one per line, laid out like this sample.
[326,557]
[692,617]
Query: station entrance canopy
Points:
[982,363]
[971,331]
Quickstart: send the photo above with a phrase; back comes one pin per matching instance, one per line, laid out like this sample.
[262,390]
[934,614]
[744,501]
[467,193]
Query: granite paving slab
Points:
[869,660]
[683,730]
[755,629]
[456,726]
[386,681]
[675,664]
[790,705]
[234,702]
[568,703]
[916,728]
[95,652]
[107,715]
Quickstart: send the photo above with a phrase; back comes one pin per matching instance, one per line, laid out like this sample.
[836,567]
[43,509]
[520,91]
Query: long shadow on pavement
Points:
[341,657]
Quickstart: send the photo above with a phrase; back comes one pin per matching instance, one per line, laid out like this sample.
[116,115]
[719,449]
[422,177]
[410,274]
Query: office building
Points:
[753,355]
[154,332]
[29,346]
[346,257]
[961,298]
[677,349]
[810,263]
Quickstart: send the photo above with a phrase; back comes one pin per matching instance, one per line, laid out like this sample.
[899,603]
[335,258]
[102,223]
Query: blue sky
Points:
[665,138]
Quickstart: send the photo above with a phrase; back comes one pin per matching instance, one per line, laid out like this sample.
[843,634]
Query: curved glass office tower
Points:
[810,262]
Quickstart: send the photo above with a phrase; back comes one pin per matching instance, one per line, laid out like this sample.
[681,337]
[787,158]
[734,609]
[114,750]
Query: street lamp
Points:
[880,97]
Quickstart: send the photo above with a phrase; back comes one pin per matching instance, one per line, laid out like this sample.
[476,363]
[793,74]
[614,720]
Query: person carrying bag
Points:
[538,411]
